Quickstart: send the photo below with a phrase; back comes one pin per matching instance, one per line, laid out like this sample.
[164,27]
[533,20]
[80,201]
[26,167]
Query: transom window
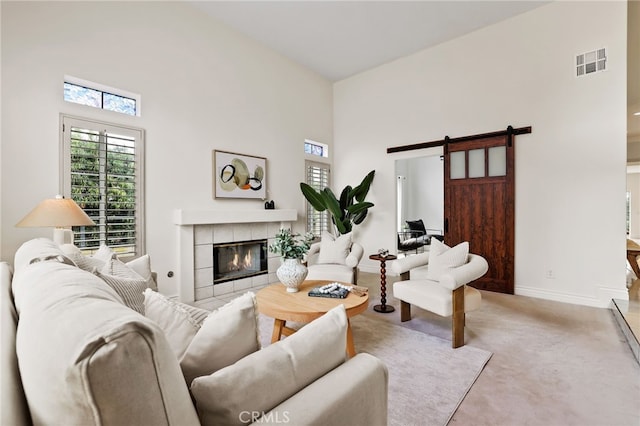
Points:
[99,96]
[316,148]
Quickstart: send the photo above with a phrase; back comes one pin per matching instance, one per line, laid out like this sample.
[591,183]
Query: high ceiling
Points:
[338,39]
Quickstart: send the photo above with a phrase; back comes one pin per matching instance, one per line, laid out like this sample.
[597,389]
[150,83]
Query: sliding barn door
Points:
[479,204]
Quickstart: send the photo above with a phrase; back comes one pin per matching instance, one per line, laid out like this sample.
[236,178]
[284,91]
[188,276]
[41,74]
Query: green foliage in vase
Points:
[348,210]
[289,245]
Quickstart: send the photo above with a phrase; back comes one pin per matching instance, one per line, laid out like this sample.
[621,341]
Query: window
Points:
[318,179]
[99,96]
[316,148]
[103,172]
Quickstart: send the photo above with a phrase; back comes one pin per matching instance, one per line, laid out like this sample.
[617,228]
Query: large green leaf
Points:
[361,191]
[332,204]
[313,197]
[345,198]
[357,219]
[359,207]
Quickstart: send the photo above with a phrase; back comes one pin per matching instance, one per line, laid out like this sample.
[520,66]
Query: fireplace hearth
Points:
[239,259]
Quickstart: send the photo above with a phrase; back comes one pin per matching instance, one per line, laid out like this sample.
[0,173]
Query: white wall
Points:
[203,87]
[570,172]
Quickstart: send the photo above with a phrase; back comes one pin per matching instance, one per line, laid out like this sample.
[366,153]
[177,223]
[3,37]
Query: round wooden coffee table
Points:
[274,301]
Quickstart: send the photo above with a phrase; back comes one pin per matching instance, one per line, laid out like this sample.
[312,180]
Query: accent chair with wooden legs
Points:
[436,281]
[334,259]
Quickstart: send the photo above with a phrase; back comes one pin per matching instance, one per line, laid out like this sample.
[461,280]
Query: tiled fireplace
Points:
[200,230]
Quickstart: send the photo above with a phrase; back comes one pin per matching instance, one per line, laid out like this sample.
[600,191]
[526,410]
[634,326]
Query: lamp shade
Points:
[56,212]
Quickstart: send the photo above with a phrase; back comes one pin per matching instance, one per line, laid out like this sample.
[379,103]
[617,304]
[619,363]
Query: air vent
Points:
[590,62]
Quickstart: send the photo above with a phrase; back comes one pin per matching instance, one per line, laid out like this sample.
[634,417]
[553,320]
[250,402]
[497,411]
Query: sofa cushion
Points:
[443,258]
[227,335]
[433,297]
[14,405]
[179,321]
[85,358]
[38,250]
[334,250]
[262,380]
[330,272]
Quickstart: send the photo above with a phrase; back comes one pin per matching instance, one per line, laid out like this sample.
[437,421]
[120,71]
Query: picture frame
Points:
[239,175]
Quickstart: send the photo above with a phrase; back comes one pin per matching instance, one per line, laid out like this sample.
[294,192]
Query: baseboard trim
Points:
[603,301]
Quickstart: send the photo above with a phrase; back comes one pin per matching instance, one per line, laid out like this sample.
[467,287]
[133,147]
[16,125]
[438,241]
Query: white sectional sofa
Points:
[74,354]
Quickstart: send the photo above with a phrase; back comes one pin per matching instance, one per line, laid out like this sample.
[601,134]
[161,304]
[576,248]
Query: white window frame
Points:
[66,123]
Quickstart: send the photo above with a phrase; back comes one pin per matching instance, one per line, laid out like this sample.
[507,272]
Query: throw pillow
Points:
[334,250]
[104,253]
[179,321]
[228,334]
[443,258]
[262,380]
[118,268]
[131,290]
[142,266]
[88,263]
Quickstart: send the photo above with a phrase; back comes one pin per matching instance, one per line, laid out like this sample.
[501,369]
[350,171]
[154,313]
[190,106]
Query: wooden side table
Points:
[383,307]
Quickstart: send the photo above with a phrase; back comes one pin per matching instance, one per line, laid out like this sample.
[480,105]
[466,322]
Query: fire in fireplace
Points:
[239,259]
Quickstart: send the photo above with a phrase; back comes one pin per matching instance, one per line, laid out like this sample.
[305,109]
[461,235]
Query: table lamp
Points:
[58,213]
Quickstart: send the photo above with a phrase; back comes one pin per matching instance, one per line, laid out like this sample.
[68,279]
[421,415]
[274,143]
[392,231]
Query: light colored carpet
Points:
[427,378]
[553,363]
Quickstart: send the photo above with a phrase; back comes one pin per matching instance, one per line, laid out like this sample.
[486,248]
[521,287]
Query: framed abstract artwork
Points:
[239,175]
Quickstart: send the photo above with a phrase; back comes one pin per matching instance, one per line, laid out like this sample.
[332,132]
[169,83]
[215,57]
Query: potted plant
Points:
[350,209]
[292,248]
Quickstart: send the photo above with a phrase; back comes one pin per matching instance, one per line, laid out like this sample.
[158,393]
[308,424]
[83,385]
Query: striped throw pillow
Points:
[131,290]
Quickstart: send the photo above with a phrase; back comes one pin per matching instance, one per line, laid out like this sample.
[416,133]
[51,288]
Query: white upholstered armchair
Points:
[436,281]
[334,259]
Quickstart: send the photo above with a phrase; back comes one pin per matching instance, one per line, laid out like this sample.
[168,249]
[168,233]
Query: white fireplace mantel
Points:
[187,221]
[208,217]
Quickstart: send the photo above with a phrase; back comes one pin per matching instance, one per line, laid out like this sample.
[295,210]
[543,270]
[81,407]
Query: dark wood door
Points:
[479,204]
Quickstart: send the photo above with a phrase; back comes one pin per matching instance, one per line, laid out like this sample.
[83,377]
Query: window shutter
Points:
[104,178]
[318,179]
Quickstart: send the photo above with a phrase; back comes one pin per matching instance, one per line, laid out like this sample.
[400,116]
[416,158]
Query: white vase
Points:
[292,273]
